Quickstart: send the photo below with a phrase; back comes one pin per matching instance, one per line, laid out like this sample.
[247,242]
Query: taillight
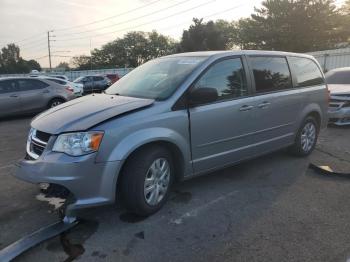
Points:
[70,89]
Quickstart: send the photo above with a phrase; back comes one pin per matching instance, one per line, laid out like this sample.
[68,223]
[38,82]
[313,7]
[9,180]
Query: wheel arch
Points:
[177,145]
[56,97]
[313,110]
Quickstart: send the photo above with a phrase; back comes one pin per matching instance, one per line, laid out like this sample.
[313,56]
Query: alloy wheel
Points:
[308,136]
[157,181]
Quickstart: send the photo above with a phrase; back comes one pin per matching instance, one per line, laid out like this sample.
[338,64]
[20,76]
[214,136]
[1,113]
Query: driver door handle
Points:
[246,108]
[264,105]
[14,95]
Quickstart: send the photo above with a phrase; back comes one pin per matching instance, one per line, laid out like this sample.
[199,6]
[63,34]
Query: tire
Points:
[145,197]
[304,144]
[55,102]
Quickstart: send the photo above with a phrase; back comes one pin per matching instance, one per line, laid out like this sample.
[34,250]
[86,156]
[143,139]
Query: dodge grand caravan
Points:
[173,118]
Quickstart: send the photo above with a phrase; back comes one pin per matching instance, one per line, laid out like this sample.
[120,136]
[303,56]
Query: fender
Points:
[154,134]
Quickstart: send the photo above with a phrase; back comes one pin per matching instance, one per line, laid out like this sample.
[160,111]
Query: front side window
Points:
[157,79]
[227,77]
[270,73]
[306,71]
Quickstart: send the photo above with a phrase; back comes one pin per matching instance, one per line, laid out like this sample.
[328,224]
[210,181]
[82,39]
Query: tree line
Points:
[283,25]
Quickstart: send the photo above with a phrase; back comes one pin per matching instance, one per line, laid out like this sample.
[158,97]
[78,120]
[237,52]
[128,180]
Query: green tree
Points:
[205,36]
[63,65]
[132,50]
[292,25]
[81,62]
[11,62]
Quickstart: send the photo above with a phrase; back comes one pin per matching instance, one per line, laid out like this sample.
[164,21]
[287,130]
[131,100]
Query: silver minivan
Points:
[174,118]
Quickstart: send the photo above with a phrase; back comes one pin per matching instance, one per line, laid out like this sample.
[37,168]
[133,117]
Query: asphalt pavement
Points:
[273,208]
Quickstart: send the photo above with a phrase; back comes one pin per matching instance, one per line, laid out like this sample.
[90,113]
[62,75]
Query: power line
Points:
[205,17]
[129,20]
[162,28]
[41,57]
[107,18]
[133,27]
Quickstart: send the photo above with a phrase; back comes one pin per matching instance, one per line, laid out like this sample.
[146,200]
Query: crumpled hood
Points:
[85,112]
[339,89]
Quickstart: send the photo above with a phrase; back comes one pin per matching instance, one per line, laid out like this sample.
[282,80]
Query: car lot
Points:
[269,209]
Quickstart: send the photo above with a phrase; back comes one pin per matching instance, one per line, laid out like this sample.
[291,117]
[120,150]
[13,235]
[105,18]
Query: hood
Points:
[85,112]
[339,89]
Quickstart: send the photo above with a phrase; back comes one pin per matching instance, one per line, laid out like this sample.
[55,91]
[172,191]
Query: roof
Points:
[237,52]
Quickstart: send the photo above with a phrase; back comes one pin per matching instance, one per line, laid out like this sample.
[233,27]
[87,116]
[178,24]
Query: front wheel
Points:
[306,138]
[146,180]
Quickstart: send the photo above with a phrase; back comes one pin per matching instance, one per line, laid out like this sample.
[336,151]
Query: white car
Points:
[63,77]
[77,88]
[338,81]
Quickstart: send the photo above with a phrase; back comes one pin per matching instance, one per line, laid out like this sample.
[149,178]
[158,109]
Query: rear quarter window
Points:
[305,71]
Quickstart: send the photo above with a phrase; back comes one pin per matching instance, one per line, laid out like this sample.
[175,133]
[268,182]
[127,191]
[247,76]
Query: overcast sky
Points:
[77,24]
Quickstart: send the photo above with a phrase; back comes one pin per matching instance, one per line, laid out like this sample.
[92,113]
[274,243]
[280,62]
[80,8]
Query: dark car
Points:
[113,77]
[93,83]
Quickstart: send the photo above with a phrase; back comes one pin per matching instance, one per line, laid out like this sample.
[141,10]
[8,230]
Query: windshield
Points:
[78,79]
[157,79]
[338,77]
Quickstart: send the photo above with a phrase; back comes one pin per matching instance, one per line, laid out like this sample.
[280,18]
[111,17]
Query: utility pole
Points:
[48,46]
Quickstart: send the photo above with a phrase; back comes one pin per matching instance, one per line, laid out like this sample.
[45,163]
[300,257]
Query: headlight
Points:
[77,144]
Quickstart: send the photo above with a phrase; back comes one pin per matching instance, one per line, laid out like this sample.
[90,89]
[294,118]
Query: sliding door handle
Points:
[246,108]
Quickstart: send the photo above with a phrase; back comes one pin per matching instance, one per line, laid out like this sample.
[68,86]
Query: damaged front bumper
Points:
[90,183]
[339,110]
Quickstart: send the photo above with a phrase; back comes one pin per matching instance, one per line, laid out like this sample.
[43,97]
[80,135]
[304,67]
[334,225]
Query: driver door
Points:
[220,131]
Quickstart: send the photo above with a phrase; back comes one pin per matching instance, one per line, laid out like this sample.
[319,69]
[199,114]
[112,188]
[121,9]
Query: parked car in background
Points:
[113,77]
[93,83]
[63,77]
[30,95]
[338,81]
[173,118]
[77,88]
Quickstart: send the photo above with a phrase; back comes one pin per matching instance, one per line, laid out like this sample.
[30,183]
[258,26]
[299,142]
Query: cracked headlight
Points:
[79,143]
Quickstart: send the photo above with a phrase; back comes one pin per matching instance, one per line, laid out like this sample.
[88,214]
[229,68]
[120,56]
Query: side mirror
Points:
[202,95]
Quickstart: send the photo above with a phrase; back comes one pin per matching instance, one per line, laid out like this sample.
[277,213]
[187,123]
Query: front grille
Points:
[36,143]
[338,102]
[43,136]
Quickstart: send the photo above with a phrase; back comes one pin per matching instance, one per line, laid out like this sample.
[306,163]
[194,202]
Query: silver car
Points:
[338,81]
[174,118]
[29,95]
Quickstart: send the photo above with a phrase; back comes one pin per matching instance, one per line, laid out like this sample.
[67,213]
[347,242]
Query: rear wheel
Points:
[55,102]
[146,180]
[306,138]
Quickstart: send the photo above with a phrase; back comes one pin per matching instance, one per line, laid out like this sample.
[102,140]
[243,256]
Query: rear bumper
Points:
[340,116]
[91,183]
